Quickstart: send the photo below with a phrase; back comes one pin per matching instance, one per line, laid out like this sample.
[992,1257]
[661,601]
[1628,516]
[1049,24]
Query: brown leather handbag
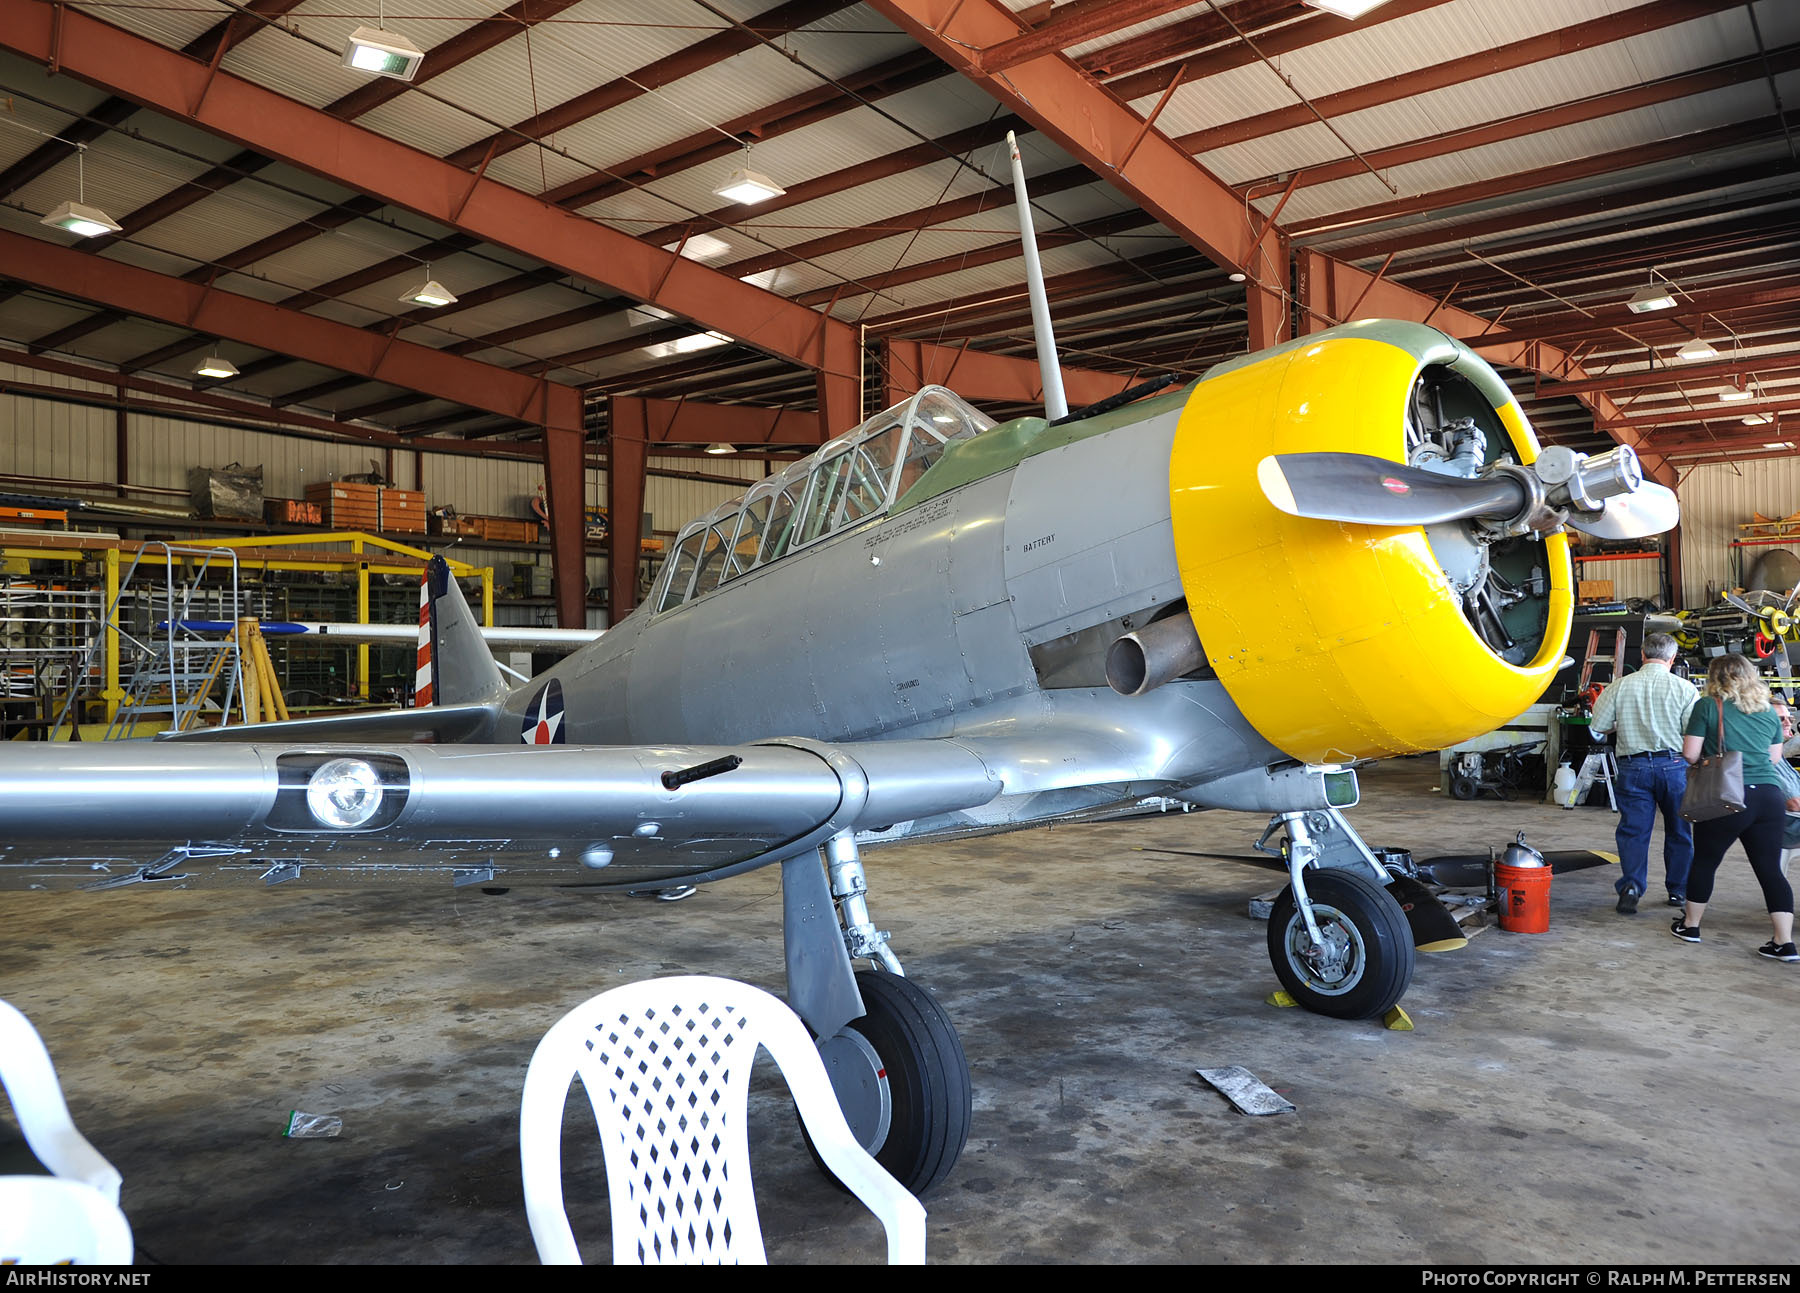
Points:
[1715,786]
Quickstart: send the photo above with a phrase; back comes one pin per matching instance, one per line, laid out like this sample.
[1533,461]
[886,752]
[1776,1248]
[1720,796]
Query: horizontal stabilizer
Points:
[437,725]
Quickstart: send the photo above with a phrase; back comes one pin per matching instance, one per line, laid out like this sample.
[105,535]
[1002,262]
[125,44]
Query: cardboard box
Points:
[292,511]
[454,525]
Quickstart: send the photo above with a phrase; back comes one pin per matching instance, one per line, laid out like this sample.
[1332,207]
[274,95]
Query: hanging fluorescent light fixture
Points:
[1657,296]
[1735,393]
[1758,420]
[1697,349]
[78,217]
[215,366]
[719,447]
[746,185]
[1351,9]
[430,293]
[384,53]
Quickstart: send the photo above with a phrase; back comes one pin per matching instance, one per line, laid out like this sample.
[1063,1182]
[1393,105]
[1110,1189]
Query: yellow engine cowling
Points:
[1341,641]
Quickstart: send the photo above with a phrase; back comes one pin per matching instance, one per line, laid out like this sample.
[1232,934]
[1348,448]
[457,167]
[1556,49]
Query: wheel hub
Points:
[1335,963]
[860,1081]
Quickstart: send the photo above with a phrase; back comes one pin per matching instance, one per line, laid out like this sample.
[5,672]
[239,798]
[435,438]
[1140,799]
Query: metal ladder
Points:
[1594,656]
[174,668]
[1598,766]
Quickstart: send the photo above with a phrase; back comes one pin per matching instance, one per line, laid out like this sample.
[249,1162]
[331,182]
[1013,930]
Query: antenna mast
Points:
[1055,404]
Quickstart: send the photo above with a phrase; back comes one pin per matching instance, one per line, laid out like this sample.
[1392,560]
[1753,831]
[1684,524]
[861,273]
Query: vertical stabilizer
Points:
[455,666]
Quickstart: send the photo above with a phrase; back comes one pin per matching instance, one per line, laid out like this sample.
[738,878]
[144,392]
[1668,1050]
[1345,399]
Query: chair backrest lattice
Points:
[673,1075]
[666,1066]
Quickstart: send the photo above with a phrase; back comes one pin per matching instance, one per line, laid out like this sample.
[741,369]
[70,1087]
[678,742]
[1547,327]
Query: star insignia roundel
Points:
[544,718]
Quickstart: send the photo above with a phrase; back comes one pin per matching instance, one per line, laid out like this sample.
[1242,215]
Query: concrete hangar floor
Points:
[1601,1093]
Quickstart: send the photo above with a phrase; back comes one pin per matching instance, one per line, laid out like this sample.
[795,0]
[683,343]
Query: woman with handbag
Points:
[1734,716]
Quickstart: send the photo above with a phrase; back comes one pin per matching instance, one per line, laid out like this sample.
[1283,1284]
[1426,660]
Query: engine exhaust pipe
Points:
[1144,660]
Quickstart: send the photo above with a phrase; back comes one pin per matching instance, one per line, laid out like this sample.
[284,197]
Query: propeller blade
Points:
[1375,491]
[1649,509]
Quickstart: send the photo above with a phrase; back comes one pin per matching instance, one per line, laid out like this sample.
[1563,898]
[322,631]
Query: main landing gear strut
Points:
[1339,940]
[894,1058]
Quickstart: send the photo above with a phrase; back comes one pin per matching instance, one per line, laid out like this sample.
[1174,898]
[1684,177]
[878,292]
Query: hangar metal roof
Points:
[1526,165]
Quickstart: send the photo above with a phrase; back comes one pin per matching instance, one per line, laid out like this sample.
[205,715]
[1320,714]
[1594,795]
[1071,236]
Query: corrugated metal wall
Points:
[45,438]
[55,441]
[1715,500]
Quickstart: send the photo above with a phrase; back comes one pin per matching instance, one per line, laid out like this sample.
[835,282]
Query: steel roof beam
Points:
[1285,39]
[1330,289]
[1006,249]
[151,295]
[210,45]
[1654,379]
[697,57]
[872,84]
[1456,71]
[1085,120]
[899,162]
[1581,168]
[395,174]
[1080,22]
[1630,99]
[985,202]
[1570,325]
[983,375]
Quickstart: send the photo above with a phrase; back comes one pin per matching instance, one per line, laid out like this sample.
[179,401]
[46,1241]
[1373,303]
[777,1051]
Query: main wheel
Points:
[902,1079]
[1366,962]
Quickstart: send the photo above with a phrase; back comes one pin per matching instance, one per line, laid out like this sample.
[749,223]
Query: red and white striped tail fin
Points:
[426,675]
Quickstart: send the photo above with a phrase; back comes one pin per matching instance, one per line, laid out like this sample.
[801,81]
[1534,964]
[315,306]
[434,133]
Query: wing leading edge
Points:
[89,815]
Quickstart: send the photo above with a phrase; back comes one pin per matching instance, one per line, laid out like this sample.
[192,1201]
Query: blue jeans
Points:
[1645,785]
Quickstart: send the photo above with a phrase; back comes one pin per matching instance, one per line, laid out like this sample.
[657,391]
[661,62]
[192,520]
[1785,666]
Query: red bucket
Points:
[1524,898]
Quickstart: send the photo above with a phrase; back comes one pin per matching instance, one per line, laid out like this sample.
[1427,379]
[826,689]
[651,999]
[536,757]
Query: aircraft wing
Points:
[78,815]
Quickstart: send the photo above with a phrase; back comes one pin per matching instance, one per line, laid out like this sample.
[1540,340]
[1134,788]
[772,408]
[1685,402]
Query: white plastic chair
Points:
[666,1065]
[73,1214]
[37,1100]
[48,1221]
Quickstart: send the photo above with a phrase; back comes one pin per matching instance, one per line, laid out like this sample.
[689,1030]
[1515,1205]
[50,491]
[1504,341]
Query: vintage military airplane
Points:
[1219,596]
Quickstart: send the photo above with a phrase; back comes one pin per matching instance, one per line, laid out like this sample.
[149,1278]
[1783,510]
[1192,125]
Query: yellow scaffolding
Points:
[282,552]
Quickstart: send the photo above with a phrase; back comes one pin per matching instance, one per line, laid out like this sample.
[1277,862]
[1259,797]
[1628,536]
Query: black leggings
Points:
[1759,824]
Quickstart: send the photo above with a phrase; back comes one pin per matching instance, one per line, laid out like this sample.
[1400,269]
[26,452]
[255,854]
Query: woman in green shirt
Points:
[1735,703]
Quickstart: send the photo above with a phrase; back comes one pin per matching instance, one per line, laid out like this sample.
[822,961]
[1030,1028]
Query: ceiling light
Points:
[702,247]
[1758,420]
[215,366]
[1735,393]
[385,53]
[430,293]
[746,185]
[1696,349]
[1657,296]
[1351,9]
[79,218]
[1236,276]
[721,448]
[1778,444]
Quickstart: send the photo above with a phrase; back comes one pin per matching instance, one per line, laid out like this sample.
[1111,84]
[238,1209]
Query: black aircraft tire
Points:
[1357,915]
[927,1075]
